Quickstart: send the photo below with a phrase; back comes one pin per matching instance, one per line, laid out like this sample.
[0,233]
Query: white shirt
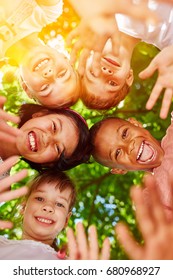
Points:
[160,35]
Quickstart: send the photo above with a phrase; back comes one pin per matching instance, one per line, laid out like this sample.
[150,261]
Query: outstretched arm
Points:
[81,248]
[5,193]
[98,24]
[157,231]
[163,63]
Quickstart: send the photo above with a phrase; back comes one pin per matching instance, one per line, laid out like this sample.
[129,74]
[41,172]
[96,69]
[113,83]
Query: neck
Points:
[26,236]
[22,47]
[128,43]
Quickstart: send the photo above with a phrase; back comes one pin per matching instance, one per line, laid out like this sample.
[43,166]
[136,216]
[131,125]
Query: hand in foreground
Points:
[157,231]
[6,193]
[163,63]
[81,249]
[8,133]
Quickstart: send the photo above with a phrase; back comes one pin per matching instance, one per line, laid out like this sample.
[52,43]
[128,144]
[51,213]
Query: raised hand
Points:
[80,248]
[156,229]
[163,63]
[6,193]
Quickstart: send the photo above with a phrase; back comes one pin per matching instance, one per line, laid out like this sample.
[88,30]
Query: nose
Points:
[48,208]
[107,71]
[131,146]
[47,72]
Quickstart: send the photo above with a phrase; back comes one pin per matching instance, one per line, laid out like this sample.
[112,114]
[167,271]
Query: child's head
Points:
[52,137]
[48,77]
[113,83]
[48,206]
[124,145]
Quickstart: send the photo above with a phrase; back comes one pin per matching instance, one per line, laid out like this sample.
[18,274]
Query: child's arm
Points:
[156,229]
[98,24]
[5,193]
[163,63]
[7,132]
[81,249]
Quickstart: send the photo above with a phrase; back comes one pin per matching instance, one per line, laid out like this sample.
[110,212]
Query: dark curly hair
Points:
[82,152]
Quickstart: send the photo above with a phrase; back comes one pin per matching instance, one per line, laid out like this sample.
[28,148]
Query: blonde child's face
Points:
[122,145]
[48,77]
[45,138]
[46,213]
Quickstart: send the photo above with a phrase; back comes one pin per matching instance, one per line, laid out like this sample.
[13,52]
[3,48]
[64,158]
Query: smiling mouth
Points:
[32,141]
[146,153]
[40,64]
[111,61]
[44,220]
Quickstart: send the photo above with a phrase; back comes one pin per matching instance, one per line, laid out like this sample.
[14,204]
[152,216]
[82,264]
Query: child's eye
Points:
[117,153]
[59,204]
[112,83]
[124,133]
[62,73]
[57,149]
[53,126]
[39,198]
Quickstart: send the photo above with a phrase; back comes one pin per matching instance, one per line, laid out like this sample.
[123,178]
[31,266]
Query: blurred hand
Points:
[163,63]
[5,193]
[81,248]
[156,229]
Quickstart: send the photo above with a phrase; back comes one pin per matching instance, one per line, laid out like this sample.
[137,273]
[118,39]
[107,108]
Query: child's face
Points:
[46,137]
[122,145]
[49,78]
[46,213]
[115,73]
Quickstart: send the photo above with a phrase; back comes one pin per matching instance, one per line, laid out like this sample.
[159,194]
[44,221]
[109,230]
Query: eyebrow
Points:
[61,197]
[111,152]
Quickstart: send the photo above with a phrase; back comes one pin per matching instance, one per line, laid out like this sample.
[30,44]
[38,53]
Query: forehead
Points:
[110,128]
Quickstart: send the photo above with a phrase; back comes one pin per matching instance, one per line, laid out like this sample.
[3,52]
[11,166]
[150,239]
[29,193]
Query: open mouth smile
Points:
[44,220]
[32,141]
[40,64]
[146,153]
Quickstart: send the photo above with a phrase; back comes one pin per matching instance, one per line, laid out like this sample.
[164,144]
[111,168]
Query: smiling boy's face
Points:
[123,145]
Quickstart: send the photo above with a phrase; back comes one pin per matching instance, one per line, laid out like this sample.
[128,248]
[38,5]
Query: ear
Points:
[130,78]
[40,114]
[25,88]
[67,219]
[118,171]
[135,122]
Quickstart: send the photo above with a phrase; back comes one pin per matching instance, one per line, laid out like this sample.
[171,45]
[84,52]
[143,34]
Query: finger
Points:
[9,129]
[96,66]
[82,241]
[8,181]
[156,91]
[85,54]
[166,103]
[2,101]
[74,53]
[72,245]
[149,71]
[9,117]
[5,224]
[143,212]
[9,195]
[8,163]
[93,244]
[105,252]
[131,247]
[72,36]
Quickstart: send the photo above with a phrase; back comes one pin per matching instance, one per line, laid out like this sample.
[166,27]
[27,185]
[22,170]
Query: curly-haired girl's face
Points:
[46,137]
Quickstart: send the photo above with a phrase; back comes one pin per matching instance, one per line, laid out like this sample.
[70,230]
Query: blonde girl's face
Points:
[46,213]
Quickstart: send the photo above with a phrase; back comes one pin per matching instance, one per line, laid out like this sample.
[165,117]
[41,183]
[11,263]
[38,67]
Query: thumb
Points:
[149,71]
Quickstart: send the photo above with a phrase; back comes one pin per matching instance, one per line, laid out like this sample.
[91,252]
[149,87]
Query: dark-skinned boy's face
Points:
[123,145]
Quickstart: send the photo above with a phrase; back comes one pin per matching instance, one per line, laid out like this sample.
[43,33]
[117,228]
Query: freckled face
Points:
[45,138]
[120,144]
[46,213]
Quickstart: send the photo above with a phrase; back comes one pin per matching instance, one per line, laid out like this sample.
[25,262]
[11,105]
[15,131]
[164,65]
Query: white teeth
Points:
[140,150]
[43,62]
[42,220]
[32,142]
